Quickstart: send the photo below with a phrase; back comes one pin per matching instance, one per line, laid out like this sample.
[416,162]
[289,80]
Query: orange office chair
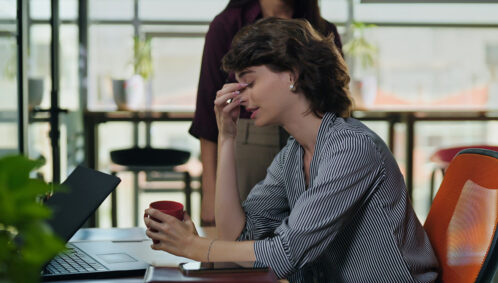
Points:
[461,224]
[442,158]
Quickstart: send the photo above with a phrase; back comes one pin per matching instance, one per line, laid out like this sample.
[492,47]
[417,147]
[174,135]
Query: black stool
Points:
[148,159]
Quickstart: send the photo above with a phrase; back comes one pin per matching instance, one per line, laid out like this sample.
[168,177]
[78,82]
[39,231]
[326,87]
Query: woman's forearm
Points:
[230,217]
[220,250]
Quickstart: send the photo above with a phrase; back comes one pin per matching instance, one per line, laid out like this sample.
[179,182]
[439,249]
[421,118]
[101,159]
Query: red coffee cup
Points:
[172,208]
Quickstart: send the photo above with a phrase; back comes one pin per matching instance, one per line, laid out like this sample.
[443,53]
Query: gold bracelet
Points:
[209,249]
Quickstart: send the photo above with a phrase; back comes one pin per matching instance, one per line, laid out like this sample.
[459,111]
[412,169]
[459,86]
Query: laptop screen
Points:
[84,190]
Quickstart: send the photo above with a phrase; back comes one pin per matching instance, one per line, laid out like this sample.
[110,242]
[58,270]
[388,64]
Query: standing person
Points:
[333,206]
[256,147]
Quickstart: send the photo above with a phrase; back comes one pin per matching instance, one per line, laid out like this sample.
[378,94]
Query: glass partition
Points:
[193,10]
[8,98]
[110,57]
[421,13]
[8,79]
[335,11]
[39,78]
[110,9]
[433,67]
[8,9]
[174,58]
[40,9]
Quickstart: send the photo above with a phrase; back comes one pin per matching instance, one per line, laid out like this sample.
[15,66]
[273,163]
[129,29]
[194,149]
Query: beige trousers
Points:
[255,149]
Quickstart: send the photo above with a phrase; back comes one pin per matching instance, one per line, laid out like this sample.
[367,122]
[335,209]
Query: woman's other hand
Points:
[170,234]
[227,108]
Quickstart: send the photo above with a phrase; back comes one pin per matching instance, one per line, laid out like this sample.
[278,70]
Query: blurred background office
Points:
[424,77]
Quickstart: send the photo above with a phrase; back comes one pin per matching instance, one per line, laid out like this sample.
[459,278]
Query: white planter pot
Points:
[35,92]
[364,91]
[129,94]
[369,90]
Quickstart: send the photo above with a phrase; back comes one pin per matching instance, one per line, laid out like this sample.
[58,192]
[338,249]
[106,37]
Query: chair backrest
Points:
[461,224]
[443,156]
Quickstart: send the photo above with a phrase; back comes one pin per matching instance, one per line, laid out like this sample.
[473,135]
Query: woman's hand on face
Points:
[227,108]
[170,234]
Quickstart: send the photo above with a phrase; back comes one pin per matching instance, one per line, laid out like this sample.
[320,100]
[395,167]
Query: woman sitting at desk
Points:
[333,206]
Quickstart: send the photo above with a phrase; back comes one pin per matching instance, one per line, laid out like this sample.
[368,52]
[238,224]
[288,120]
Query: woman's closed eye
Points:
[249,85]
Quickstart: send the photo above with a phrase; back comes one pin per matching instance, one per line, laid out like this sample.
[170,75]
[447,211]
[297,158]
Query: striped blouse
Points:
[354,223]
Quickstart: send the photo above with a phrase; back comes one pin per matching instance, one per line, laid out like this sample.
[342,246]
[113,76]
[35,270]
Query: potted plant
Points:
[129,94]
[363,59]
[26,241]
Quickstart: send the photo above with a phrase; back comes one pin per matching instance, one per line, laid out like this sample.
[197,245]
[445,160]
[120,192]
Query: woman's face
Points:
[267,96]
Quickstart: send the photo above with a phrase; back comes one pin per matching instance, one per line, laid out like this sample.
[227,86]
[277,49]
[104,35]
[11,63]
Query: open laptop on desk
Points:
[86,189]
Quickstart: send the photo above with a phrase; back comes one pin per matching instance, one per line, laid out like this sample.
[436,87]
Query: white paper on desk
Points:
[143,251]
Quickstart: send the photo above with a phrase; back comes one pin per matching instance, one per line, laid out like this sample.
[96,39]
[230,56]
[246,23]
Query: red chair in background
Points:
[462,222]
[442,159]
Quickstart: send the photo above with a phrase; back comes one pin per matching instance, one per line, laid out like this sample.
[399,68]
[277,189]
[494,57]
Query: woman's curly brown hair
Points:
[293,45]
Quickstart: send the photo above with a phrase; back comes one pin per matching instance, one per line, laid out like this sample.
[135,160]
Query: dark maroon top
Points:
[218,41]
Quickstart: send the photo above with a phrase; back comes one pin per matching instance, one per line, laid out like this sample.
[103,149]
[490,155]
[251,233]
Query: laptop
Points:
[85,190]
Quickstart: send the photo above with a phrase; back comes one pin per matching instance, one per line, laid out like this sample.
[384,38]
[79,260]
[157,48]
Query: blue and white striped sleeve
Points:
[348,171]
[266,206]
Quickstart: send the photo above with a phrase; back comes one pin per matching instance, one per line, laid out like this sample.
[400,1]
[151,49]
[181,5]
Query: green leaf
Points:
[359,47]
[17,169]
[33,211]
[142,60]
[26,242]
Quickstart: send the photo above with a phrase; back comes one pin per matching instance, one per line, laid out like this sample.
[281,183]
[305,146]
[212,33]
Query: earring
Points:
[292,88]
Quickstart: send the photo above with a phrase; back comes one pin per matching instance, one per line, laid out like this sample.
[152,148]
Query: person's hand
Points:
[227,108]
[170,235]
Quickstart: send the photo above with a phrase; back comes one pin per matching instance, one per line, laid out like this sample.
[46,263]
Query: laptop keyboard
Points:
[73,261]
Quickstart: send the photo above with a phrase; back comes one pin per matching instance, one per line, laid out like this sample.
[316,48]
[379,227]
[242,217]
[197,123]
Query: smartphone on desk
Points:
[191,268]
